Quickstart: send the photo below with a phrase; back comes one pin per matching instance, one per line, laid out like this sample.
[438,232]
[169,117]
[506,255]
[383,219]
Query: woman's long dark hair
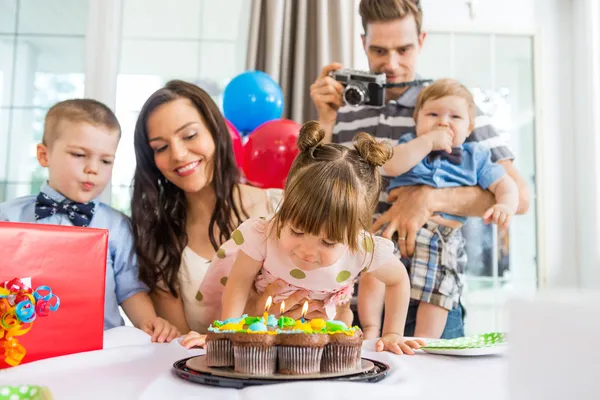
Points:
[159,208]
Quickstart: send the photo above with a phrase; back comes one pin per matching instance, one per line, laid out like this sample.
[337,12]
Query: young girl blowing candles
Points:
[319,241]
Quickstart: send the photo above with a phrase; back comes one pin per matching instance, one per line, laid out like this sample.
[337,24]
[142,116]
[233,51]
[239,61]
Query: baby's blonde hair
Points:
[332,189]
[444,88]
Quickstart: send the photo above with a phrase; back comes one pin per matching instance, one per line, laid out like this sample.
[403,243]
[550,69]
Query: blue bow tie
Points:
[455,157]
[79,214]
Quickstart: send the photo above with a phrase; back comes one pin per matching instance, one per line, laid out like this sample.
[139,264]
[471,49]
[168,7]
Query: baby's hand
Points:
[370,332]
[160,330]
[193,339]
[395,343]
[499,214]
[441,139]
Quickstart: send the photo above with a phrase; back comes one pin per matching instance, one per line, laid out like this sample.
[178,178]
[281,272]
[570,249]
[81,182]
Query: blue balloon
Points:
[251,99]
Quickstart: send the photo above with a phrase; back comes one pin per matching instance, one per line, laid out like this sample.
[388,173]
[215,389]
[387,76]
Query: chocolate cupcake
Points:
[254,351]
[300,353]
[219,350]
[343,352]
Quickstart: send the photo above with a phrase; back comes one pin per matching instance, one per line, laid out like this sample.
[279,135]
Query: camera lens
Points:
[354,95]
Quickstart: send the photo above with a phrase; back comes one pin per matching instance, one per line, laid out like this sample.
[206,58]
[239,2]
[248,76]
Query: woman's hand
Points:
[293,304]
[316,309]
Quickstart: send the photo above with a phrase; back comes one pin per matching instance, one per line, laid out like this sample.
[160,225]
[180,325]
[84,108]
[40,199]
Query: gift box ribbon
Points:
[19,307]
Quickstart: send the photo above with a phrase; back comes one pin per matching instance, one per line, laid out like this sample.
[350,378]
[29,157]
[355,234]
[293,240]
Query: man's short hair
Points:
[389,10]
[78,111]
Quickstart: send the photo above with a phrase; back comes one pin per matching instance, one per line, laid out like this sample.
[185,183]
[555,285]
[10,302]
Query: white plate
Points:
[481,351]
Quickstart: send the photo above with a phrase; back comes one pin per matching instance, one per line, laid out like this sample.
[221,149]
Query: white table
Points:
[130,367]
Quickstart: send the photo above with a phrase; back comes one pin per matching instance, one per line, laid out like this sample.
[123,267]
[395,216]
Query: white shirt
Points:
[193,268]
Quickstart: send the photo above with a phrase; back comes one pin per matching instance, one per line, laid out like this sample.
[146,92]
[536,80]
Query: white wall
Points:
[490,15]
[556,155]
[586,137]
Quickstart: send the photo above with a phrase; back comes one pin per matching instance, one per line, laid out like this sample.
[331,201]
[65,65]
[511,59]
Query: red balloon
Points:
[269,153]
[236,139]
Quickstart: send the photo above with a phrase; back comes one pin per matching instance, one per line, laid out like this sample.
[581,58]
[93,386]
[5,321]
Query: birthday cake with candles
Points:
[266,345]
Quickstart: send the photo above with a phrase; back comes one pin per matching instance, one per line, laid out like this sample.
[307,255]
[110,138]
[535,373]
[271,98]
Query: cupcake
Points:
[343,351]
[254,350]
[301,349]
[219,351]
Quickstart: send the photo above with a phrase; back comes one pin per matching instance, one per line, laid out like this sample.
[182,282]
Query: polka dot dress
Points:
[332,284]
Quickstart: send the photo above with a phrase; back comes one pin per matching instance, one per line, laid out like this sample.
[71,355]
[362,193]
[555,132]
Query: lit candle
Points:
[304,310]
[267,306]
[281,310]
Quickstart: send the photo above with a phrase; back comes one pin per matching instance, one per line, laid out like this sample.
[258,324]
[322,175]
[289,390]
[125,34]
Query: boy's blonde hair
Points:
[332,189]
[443,88]
[78,111]
[389,10]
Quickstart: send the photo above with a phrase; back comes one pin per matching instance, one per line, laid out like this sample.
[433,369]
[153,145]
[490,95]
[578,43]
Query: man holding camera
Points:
[392,41]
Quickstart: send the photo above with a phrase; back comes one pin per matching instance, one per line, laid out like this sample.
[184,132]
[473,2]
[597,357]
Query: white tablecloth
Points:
[130,367]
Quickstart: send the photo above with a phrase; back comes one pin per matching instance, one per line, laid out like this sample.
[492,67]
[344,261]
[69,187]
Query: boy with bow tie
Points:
[78,148]
[436,155]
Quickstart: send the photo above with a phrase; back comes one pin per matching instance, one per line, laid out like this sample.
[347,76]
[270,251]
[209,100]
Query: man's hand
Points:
[409,212]
[326,93]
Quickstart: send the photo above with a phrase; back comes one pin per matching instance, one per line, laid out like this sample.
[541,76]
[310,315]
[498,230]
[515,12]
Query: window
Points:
[180,40]
[498,69]
[41,62]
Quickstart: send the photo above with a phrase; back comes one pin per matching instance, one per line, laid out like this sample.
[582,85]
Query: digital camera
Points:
[361,87]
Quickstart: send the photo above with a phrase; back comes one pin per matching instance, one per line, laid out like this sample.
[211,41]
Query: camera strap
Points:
[416,82]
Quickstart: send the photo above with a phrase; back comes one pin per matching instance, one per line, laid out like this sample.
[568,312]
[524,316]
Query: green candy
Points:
[335,326]
[250,320]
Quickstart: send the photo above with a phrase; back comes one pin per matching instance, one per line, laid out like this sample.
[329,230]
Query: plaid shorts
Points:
[437,267]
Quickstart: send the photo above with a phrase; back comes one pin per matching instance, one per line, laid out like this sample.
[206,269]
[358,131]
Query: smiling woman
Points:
[188,150]
[187,199]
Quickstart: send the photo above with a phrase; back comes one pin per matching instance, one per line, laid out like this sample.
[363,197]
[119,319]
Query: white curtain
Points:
[292,40]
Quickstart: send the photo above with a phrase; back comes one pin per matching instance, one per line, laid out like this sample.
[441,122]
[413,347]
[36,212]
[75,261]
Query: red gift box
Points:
[72,262]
